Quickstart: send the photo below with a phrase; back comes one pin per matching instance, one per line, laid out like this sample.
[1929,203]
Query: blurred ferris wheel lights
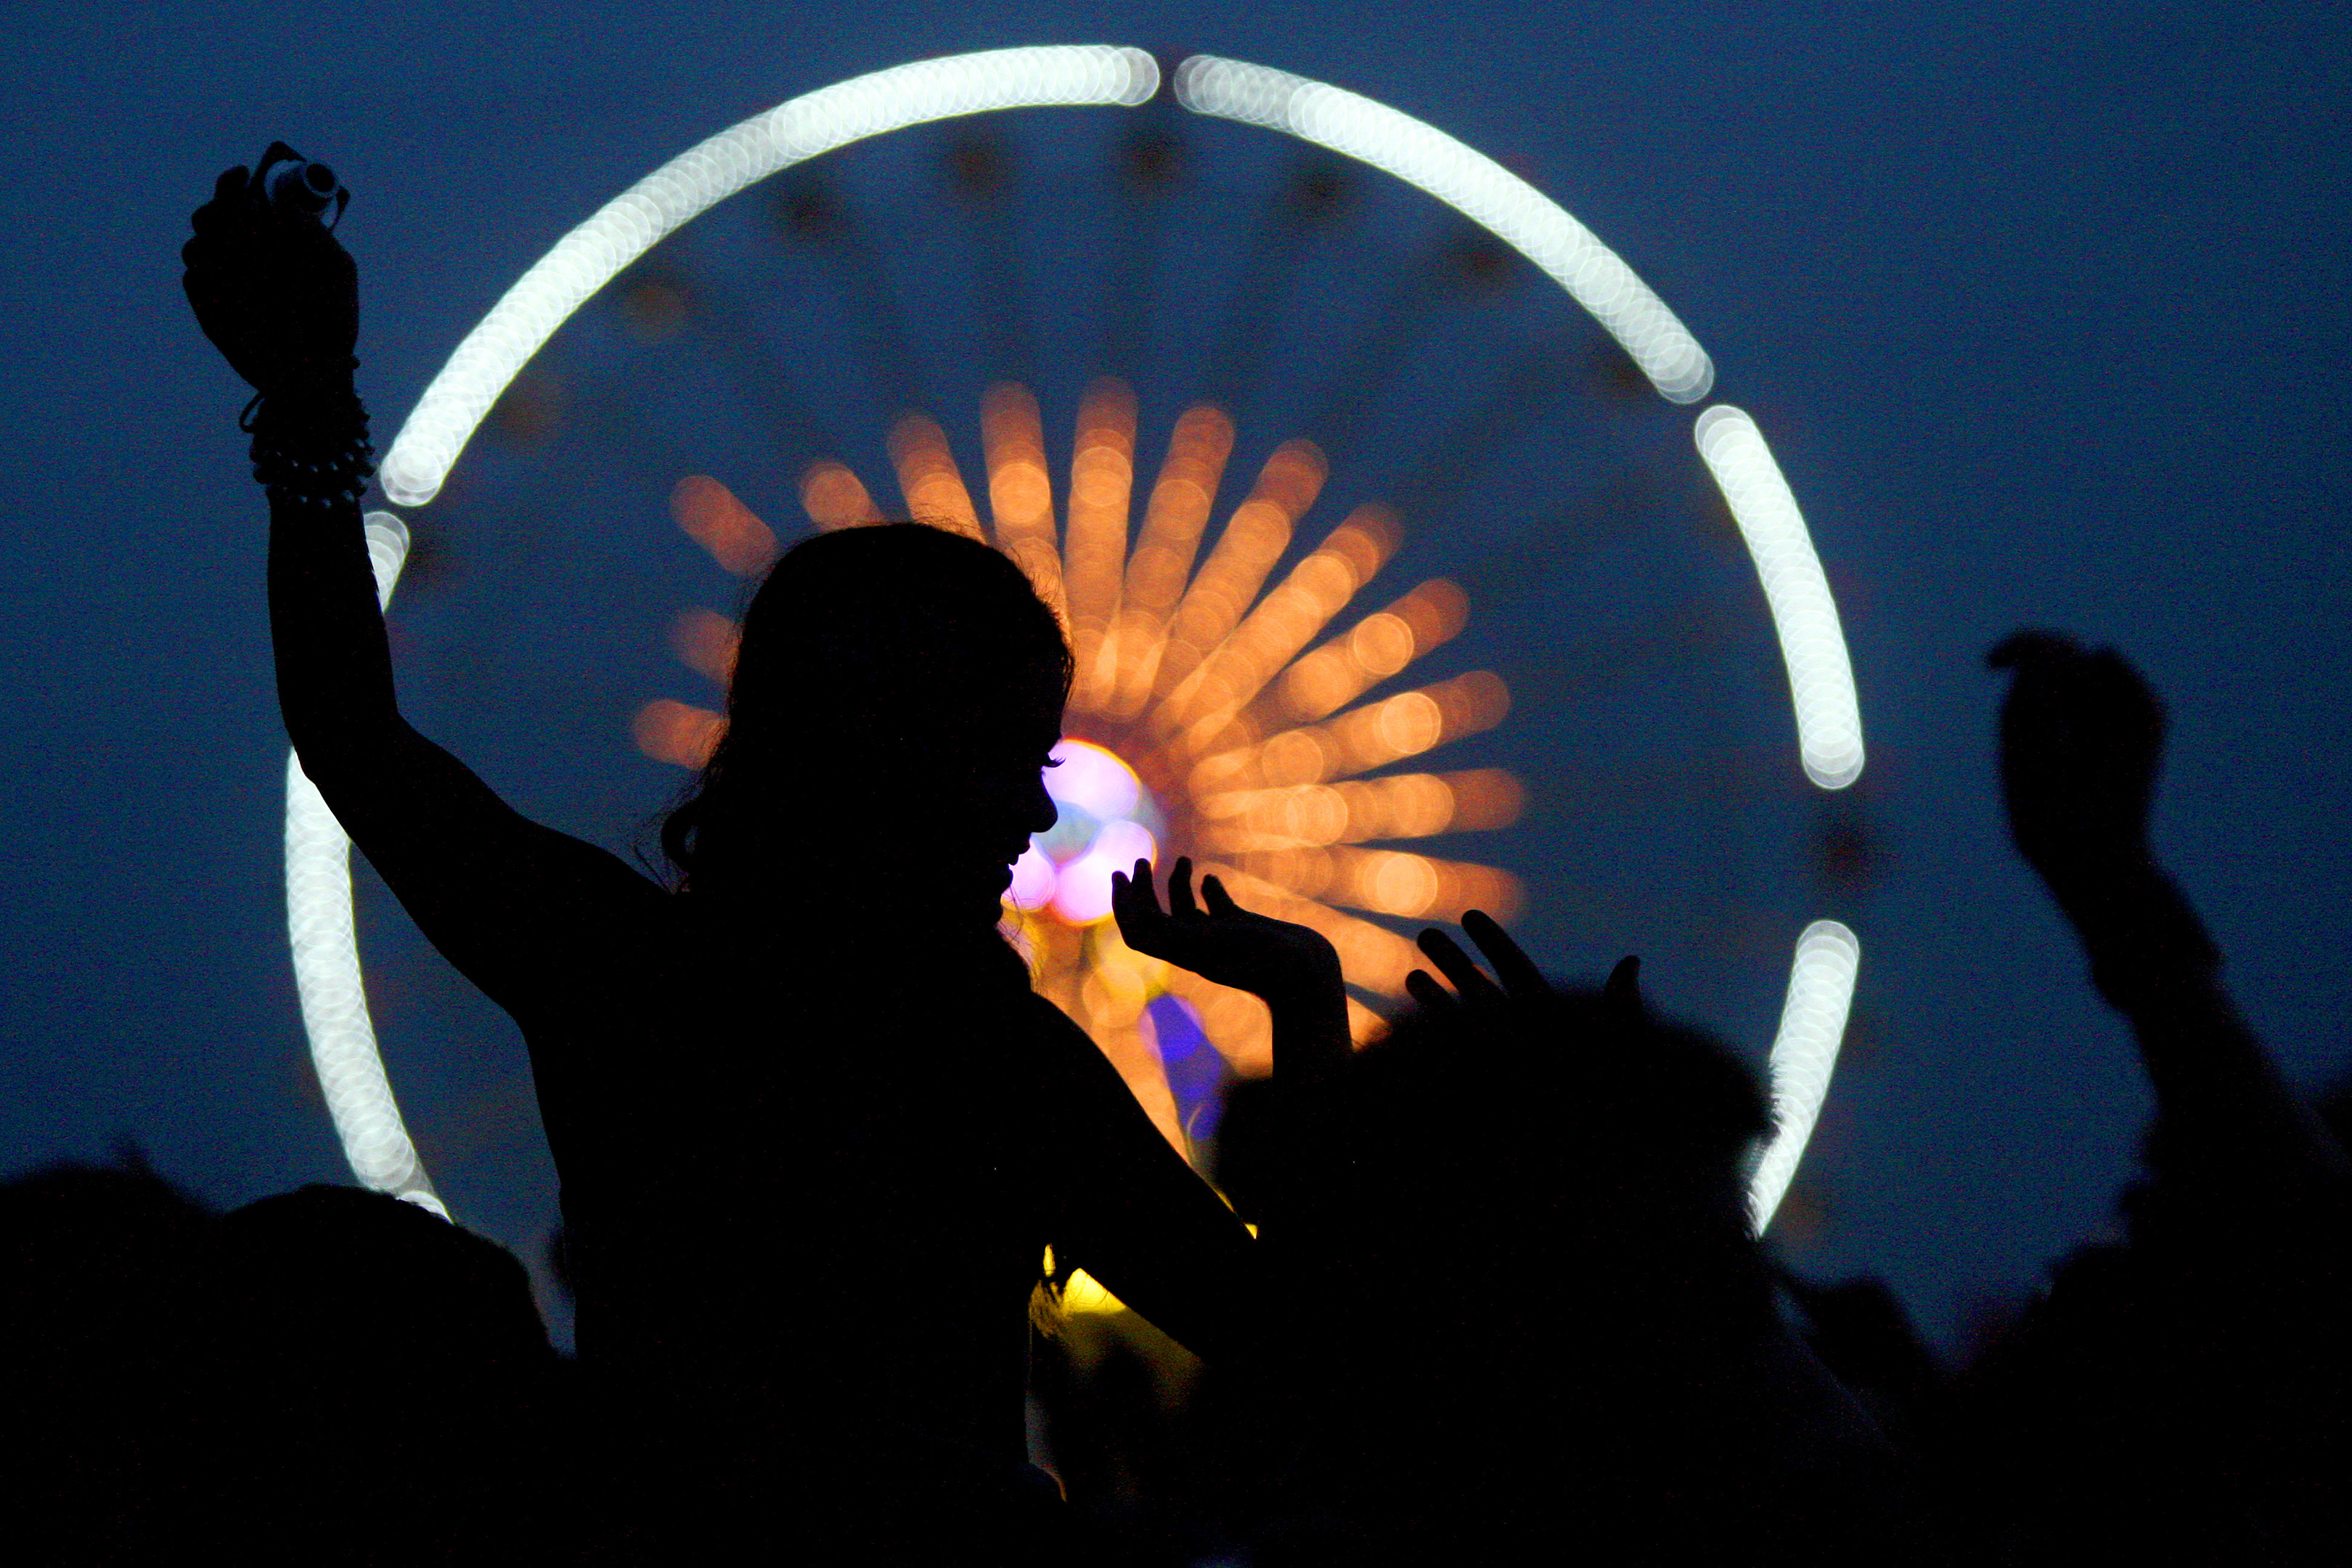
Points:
[1174,517]
[679,732]
[706,642]
[1186,673]
[712,517]
[1201,720]
[833,496]
[1102,486]
[927,476]
[320,934]
[1205,704]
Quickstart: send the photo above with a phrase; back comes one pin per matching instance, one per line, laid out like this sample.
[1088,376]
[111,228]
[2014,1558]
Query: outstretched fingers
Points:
[1135,903]
[1220,903]
[1520,977]
[1181,902]
[1623,994]
[1456,965]
[1434,998]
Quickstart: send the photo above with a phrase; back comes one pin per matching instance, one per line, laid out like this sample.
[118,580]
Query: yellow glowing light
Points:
[929,478]
[833,496]
[1085,1296]
[677,732]
[1173,520]
[705,641]
[1102,479]
[712,517]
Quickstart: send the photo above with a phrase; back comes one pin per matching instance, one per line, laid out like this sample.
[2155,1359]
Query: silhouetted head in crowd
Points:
[1541,1320]
[895,693]
[98,1271]
[1490,1145]
[375,1382]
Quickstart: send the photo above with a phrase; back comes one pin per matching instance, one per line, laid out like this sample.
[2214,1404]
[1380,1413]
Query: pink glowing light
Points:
[1033,880]
[1106,824]
[1094,781]
[1082,886]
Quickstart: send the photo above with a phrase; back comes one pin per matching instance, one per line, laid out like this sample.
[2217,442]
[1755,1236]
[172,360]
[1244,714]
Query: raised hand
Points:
[275,291]
[2081,739]
[1279,963]
[1517,980]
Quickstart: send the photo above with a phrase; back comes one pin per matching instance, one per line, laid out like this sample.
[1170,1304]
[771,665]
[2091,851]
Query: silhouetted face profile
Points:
[896,693]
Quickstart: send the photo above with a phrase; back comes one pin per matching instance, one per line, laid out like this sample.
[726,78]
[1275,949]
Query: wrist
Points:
[310,441]
[2143,939]
[2095,883]
[1320,987]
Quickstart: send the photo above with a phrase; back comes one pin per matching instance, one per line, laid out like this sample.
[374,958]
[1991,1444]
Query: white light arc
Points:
[1475,185]
[799,129]
[327,961]
[1812,644]
[1813,1026]
[461,395]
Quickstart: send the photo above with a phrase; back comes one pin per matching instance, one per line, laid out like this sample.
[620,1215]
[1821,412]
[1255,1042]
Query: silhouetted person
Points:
[1860,1333]
[2182,1396]
[99,1274]
[1524,1316]
[373,1385]
[814,1131]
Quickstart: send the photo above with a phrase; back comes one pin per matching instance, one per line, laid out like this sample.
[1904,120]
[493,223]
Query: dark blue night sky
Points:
[2044,314]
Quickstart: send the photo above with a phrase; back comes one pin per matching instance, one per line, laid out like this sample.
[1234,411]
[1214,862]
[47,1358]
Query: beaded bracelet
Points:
[316,453]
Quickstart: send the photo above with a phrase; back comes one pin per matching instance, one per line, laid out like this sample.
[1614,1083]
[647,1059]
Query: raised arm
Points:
[510,903]
[1134,1216]
[2081,737]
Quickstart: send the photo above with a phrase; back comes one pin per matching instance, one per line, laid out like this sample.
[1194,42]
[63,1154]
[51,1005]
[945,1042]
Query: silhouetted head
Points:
[1565,1127]
[98,1268]
[372,1381]
[895,694]
[1529,1251]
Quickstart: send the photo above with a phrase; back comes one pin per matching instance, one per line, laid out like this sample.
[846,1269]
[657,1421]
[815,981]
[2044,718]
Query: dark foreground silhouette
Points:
[814,1132]
[2184,1394]
[817,1133]
[1541,1321]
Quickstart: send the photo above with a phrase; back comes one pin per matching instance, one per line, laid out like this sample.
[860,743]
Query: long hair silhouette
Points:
[899,672]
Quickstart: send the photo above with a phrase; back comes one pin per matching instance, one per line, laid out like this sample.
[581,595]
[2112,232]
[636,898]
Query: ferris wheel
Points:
[1299,341]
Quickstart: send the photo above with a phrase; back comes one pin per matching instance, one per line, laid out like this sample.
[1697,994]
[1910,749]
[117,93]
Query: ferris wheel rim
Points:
[462,393]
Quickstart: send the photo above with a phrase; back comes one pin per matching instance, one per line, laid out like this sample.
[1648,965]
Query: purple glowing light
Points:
[1094,781]
[1082,886]
[1106,825]
[1033,880]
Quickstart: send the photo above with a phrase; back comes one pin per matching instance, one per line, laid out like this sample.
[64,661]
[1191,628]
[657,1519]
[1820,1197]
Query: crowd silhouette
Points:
[1484,1291]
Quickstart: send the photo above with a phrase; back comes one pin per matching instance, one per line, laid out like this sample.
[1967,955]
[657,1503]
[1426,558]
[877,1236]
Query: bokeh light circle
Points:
[1108,822]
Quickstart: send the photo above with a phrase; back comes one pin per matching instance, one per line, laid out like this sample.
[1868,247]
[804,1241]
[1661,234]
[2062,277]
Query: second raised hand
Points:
[1279,963]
